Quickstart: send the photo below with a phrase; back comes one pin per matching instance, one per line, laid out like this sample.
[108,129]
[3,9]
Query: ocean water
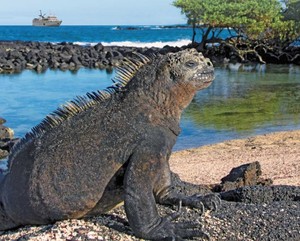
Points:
[140,36]
[242,101]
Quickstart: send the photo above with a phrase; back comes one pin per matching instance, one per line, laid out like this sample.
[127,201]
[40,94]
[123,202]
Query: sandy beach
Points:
[278,153]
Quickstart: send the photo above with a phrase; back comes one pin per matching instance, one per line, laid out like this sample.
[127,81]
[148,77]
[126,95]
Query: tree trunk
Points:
[202,44]
[194,33]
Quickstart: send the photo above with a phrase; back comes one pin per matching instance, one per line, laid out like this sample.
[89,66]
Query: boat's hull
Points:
[44,23]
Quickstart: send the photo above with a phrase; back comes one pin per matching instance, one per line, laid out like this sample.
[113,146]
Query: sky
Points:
[92,12]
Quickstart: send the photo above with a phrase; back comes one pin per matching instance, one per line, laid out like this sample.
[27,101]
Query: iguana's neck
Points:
[163,105]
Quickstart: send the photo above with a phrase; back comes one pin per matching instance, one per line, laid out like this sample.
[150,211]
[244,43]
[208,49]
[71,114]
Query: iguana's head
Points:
[190,68]
[167,82]
[181,75]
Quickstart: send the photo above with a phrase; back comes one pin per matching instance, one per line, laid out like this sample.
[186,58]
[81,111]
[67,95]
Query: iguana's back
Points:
[79,156]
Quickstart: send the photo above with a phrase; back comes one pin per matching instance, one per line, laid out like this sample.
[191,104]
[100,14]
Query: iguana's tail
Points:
[5,221]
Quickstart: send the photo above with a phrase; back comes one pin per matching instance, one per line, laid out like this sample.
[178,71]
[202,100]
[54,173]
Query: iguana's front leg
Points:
[142,178]
[169,195]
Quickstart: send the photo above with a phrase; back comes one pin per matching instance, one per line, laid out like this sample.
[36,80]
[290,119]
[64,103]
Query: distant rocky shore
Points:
[39,56]
[16,56]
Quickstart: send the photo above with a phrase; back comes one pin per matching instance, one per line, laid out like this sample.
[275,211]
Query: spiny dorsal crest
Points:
[124,74]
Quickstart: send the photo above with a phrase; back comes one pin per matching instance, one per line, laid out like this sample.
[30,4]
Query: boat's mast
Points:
[41,15]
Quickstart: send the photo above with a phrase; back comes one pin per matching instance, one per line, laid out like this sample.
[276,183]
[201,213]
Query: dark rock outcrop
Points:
[39,56]
[244,175]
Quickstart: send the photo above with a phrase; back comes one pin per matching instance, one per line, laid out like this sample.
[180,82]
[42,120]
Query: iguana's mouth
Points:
[205,76]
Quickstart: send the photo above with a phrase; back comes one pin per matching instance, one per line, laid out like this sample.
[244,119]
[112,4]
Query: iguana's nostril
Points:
[208,62]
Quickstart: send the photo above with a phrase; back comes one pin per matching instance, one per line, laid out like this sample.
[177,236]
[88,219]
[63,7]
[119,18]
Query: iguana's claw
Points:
[175,215]
[184,230]
[178,231]
[210,201]
[188,231]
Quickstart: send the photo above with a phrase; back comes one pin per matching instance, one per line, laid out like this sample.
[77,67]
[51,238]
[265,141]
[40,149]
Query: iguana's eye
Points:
[191,64]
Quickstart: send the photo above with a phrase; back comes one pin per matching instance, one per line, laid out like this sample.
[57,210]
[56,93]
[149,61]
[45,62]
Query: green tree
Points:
[255,20]
[192,9]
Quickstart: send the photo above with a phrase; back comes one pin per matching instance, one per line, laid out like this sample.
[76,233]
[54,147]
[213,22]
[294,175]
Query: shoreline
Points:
[277,152]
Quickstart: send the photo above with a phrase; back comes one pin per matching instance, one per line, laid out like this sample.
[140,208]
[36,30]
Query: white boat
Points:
[46,21]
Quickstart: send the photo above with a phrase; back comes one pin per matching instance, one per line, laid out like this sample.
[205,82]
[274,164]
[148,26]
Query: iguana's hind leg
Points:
[113,195]
[110,199]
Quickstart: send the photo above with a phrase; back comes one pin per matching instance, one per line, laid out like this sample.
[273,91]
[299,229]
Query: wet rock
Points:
[6,132]
[75,60]
[98,47]
[72,66]
[64,66]
[3,154]
[65,57]
[53,63]
[7,140]
[2,121]
[30,66]
[39,68]
[8,66]
[244,175]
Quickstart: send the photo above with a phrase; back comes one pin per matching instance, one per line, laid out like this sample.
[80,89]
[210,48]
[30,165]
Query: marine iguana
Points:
[107,147]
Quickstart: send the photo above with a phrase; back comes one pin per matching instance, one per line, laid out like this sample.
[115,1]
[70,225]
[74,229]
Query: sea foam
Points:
[157,44]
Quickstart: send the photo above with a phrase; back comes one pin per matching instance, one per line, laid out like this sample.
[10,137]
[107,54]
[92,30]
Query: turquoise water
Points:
[140,36]
[92,34]
[26,98]
[239,103]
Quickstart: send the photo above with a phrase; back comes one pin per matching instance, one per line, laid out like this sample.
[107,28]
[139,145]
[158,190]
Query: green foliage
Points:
[255,19]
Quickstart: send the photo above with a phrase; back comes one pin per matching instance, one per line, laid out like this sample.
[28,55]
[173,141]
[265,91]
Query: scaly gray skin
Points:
[108,147]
